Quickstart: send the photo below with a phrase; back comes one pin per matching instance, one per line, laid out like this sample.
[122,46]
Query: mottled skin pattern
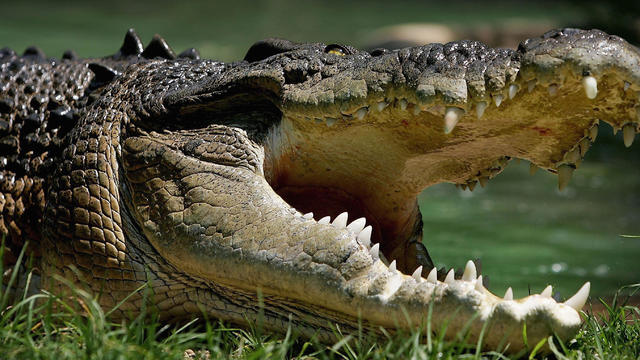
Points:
[189,174]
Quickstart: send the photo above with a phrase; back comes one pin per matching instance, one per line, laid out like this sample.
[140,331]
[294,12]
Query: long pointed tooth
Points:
[480,108]
[590,86]
[365,236]
[533,168]
[469,271]
[472,185]
[628,134]
[403,104]
[433,276]
[479,286]
[573,155]
[513,90]
[531,84]
[450,277]
[547,292]
[357,225]
[498,100]
[325,220]
[553,89]
[392,266]
[593,132]
[416,109]
[308,216]
[578,300]
[508,295]
[361,113]
[381,105]
[564,175]
[451,117]
[417,275]
[585,144]
[375,251]
[341,220]
[483,180]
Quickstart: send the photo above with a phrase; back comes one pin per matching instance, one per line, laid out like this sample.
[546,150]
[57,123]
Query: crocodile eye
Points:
[336,49]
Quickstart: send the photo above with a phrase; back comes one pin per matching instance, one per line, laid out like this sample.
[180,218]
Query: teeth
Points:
[341,220]
[357,225]
[381,105]
[508,295]
[403,104]
[472,185]
[498,100]
[480,108]
[513,90]
[330,121]
[325,220]
[593,132]
[451,118]
[628,134]
[584,146]
[578,300]
[533,168]
[308,216]
[433,276]
[469,271]
[590,86]
[573,155]
[361,113]
[365,236]
[450,278]
[392,266]
[417,275]
[547,291]
[416,109]
[391,287]
[483,180]
[479,285]
[375,252]
[553,89]
[531,84]
[564,175]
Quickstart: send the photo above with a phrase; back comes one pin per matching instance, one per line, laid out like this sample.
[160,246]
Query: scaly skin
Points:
[191,174]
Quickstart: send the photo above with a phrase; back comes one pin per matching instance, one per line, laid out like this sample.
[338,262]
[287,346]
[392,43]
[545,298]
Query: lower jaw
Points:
[399,238]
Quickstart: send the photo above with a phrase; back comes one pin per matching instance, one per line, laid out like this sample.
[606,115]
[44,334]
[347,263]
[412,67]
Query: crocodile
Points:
[228,188]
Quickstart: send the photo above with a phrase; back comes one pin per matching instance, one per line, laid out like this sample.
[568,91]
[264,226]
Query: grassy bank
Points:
[44,326]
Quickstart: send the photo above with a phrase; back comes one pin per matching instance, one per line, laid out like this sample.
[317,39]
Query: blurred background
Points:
[526,233]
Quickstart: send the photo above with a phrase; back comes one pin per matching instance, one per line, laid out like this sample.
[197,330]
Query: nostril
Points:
[294,76]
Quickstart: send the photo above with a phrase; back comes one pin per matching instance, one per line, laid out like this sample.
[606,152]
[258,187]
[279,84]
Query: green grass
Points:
[44,326]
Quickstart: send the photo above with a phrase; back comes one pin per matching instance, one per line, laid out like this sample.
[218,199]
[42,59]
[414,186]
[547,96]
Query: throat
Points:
[328,201]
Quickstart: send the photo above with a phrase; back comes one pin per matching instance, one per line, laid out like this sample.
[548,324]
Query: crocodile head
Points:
[294,174]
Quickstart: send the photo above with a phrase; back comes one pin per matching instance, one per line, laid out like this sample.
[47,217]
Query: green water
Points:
[528,235]
[224,30]
[524,231]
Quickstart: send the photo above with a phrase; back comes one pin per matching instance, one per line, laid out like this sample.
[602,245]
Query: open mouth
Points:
[364,169]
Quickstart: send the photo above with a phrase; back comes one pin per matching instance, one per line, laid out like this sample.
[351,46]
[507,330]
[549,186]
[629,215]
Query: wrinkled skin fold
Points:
[198,177]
